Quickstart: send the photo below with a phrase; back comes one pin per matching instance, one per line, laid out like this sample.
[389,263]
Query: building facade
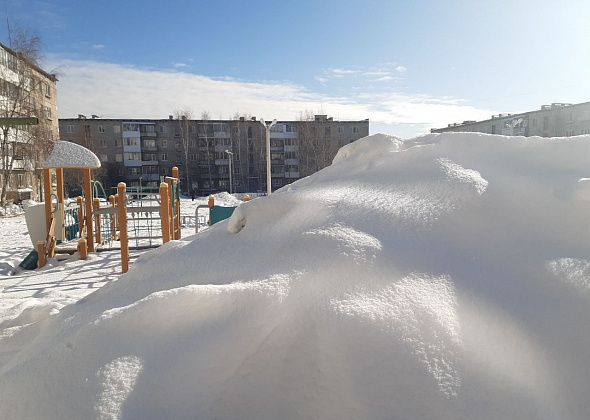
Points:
[25,91]
[555,120]
[141,151]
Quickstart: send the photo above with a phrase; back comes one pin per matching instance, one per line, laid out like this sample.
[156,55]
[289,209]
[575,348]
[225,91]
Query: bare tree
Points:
[206,138]
[21,94]
[316,149]
[184,117]
[26,43]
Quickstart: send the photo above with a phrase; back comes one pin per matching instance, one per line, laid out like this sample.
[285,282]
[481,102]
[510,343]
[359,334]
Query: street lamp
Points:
[268,168]
[231,158]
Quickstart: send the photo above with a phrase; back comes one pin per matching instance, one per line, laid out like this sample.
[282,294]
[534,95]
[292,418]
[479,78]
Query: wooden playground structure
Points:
[100,222]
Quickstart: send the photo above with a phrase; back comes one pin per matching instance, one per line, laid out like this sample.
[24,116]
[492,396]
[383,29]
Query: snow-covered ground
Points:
[444,277]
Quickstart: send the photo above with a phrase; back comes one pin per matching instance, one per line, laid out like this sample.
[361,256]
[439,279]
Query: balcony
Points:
[150,177]
[149,163]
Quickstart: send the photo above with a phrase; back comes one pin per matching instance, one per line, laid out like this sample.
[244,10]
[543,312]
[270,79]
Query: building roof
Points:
[9,50]
[544,108]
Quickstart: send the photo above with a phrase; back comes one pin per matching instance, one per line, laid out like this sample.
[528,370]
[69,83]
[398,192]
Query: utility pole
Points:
[268,166]
[231,158]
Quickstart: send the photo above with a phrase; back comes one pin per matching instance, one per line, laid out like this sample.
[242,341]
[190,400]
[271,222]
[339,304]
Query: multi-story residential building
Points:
[140,151]
[25,91]
[555,120]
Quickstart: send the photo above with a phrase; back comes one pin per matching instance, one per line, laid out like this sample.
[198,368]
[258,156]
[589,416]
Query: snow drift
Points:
[444,277]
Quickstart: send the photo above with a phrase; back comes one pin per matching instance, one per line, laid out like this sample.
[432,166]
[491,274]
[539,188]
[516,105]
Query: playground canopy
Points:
[71,155]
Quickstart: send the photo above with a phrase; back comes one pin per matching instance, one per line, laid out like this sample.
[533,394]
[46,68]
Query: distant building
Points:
[555,120]
[25,91]
[142,151]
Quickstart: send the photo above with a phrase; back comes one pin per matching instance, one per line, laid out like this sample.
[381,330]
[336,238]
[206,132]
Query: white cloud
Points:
[98,46]
[179,65]
[400,69]
[341,72]
[118,91]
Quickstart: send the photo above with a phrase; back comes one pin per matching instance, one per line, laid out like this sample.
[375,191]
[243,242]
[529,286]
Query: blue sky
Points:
[406,65]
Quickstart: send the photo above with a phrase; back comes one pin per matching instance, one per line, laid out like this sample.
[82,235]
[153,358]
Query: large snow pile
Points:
[446,277]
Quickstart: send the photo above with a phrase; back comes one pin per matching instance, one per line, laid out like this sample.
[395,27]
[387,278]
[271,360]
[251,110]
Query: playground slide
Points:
[35,217]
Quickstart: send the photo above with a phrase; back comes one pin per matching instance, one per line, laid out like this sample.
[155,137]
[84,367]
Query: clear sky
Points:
[406,65]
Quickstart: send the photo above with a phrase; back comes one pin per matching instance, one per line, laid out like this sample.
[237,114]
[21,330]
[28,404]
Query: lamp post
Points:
[268,167]
[231,158]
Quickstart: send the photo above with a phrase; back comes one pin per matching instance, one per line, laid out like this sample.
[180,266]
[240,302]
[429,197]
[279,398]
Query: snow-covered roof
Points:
[71,155]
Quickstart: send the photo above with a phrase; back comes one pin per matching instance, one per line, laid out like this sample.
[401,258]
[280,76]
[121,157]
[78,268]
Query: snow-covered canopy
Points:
[66,154]
[444,277]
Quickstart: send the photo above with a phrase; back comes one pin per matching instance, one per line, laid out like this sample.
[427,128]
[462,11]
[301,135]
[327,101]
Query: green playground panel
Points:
[219,213]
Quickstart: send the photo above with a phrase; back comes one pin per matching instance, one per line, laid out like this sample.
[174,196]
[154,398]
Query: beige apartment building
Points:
[555,120]
[142,151]
[25,91]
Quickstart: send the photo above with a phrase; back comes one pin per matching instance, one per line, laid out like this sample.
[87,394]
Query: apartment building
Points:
[141,151]
[25,91]
[555,120]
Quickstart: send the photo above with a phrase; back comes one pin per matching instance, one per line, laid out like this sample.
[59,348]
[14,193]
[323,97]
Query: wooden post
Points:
[164,216]
[96,206]
[88,205]
[80,204]
[60,200]
[176,198]
[170,209]
[42,254]
[121,188]
[47,198]
[83,249]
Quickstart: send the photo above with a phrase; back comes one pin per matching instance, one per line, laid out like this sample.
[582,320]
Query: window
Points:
[70,129]
[131,141]
[192,156]
[149,156]
[355,129]
[149,143]
[132,156]
[134,171]
[47,89]
[493,128]
[104,158]
[118,157]
[130,127]
[165,171]
[47,112]
[103,143]
[164,143]
[116,129]
[117,142]
[327,131]
[101,129]
[164,157]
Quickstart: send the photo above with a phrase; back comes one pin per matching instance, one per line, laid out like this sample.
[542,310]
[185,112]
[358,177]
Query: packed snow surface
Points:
[443,277]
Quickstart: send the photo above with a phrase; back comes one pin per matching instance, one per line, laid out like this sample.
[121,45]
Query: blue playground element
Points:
[219,213]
